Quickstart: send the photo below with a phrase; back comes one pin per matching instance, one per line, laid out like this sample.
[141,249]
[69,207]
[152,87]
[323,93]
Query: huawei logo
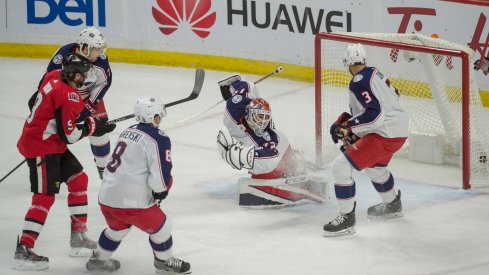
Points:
[193,14]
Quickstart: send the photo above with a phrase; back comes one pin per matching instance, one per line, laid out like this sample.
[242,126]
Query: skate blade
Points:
[28,265]
[78,252]
[348,231]
[167,272]
[385,217]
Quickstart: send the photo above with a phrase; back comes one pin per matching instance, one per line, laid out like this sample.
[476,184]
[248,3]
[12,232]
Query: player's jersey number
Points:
[34,108]
[116,156]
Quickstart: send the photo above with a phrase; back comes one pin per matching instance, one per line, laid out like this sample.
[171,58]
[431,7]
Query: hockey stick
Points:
[278,70]
[15,168]
[199,81]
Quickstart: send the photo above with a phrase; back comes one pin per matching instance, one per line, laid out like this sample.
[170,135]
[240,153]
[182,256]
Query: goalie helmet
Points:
[146,108]
[258,115]
[91,37]
[355,54]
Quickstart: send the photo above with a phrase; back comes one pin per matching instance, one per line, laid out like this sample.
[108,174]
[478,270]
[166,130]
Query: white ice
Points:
[444,229]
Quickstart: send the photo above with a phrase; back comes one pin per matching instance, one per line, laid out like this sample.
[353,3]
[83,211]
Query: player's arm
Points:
[160,178]
[104,80]
[372,116]
[67,111]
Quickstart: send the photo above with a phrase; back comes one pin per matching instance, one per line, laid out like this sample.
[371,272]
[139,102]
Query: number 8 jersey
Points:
[140,164]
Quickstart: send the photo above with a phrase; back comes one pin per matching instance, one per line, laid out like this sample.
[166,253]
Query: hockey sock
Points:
[101,149]
[386,189]
[109,241]
[161,241]
[78,201]
[35,218]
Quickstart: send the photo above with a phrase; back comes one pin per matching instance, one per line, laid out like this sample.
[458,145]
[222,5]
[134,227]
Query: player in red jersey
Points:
[46,133]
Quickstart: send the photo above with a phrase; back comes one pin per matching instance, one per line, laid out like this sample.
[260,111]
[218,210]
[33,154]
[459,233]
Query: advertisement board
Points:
[235,31]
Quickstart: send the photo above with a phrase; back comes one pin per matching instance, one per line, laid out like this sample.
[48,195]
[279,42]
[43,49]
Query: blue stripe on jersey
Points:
[163,143]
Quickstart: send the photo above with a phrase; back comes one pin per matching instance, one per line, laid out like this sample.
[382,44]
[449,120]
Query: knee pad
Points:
[378,174]
[164,233]
[342,170]
[99,141]
[78,183]
[116,235]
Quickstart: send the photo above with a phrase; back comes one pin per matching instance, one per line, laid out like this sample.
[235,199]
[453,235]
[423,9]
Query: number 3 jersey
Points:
[140,164]
[375,107]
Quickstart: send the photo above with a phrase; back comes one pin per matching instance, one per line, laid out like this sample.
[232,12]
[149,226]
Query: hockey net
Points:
[438,89]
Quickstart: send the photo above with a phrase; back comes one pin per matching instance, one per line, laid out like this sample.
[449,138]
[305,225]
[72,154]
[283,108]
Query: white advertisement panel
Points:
[277,31]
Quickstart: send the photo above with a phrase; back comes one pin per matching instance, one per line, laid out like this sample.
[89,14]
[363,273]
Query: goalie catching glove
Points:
[234,153]
[225,86]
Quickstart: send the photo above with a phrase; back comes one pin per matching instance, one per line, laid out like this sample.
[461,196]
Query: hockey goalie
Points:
[249,140]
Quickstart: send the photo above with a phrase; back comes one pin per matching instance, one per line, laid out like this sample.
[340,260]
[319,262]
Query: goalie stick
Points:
[278,70]
[199,81]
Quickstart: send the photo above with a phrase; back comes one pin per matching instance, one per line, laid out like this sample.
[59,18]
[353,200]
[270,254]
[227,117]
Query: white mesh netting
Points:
[431,91]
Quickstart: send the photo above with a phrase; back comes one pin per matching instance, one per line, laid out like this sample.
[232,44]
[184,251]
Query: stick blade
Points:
[199,81]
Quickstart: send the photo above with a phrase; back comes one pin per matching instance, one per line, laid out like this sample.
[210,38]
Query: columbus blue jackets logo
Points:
[237,99]
[57,59]
[357,78]
[266,136]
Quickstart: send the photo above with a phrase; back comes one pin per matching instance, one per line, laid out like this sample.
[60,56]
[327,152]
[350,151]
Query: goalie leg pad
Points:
[282,192]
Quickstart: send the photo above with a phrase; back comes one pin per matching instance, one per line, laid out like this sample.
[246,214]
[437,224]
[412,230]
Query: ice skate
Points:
[344,224]
[386,210]
[81,245]
[172,266]
[95,264]
[27,260]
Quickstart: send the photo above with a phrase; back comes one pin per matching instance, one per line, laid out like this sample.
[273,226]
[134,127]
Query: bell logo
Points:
[193,14]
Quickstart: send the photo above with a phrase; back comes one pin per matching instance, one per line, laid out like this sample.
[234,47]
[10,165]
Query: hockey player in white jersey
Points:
[136,180]
[250,140]
[376,128]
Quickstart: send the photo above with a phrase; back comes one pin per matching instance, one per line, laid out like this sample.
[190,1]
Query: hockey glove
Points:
[96,127]
[158,197]
[340,129]
[225,86]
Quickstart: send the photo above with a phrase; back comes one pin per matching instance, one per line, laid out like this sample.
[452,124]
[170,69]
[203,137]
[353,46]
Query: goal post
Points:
[438,89]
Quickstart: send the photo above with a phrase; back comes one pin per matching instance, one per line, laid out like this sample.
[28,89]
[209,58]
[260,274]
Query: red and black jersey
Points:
[51,124]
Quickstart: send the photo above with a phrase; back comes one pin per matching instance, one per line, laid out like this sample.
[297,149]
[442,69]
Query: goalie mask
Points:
[258,115]
[355,54]
[146,108]
[93,38]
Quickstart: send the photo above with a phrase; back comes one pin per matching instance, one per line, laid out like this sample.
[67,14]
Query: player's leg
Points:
[110,239]
[383,181]
[154,221]
[77,181]
[101,145]
[344,186]
[45,179]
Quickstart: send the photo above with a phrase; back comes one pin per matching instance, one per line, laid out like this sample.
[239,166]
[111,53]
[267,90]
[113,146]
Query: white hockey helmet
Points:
[146,108]
[91,37]
[355,54]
